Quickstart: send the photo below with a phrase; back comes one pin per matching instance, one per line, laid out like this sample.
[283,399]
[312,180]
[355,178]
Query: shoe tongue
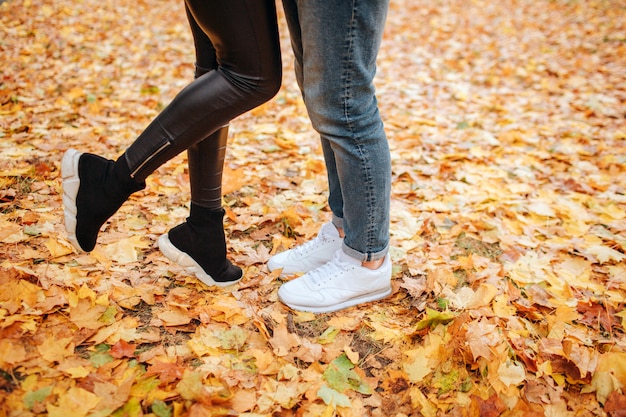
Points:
[344,258]
[329,231]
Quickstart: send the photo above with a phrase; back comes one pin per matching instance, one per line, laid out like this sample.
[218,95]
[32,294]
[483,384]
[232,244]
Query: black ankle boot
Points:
[200,246]
[94,188]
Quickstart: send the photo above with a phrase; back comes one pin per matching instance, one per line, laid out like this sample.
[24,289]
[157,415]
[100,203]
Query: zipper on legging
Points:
[150,158]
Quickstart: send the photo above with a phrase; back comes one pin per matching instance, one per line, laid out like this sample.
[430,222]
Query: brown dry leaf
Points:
[172,316]
[616,405]
[283,341]
[482,338]
[86,315]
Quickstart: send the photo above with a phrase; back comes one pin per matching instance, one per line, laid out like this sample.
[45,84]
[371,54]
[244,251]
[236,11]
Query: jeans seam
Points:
[348,71]
[348,68]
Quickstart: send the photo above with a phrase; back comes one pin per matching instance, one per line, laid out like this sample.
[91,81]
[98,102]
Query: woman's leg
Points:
[245,36]
[206,158]
[199,243]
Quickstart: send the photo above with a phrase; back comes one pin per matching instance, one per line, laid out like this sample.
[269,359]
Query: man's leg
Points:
[335,70]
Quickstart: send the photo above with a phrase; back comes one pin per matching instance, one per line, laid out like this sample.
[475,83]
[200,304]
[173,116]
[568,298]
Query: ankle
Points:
[201,242]
[123,178]
[373,264]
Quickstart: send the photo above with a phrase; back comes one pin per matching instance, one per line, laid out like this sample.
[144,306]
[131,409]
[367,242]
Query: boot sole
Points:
[366,298]
[181,258]
[71,184]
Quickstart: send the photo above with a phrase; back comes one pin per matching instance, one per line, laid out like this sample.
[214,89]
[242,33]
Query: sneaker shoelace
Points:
[308,246]
[321,275]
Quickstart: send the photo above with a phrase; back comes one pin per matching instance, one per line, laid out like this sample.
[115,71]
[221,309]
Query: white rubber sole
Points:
[71,183]
[362,299]
[181,258]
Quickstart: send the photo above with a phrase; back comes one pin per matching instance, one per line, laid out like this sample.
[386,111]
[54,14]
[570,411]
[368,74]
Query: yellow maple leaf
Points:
[465,297]
[605,254]
[610,375]
[10,232]
[511,373]
[423,360]
[204,341]
[78,372]
[287,394]
[85,315]
[501,306]
[608,212]
[230,310]
[386,333]
[76,402]
[419,401]
[349,321]
[122,251]
[541,209]
[55,349]
[418,365]
[58,248]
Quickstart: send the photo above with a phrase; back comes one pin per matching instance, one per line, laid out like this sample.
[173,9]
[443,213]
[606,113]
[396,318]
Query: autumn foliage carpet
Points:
[506,121]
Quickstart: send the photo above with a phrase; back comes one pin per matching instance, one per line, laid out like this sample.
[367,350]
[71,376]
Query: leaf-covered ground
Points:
[507,125]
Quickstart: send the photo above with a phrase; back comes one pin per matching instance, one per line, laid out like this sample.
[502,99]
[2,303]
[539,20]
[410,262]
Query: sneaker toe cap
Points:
[283,262]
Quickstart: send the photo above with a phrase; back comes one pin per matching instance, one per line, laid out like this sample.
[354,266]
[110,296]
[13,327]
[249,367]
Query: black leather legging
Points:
[239,58]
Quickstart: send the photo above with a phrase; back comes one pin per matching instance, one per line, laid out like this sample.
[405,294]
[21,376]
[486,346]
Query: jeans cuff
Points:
[337,221]
[353,253]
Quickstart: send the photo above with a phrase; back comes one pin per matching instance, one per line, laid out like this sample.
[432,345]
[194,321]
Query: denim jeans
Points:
[335,44]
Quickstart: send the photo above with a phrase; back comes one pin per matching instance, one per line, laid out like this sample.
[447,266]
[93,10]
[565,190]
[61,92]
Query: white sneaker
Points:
[338,284]
[309,255]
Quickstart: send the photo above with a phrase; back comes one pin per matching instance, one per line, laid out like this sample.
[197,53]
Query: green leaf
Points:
[160,409]
[131,409]
[36,396]
[108,317]
[340,376]
[100,358]
[31,230]
[328,336]
[446,382]
[462,125]
[102,347]
[434,318]
[143,387]
[331,396]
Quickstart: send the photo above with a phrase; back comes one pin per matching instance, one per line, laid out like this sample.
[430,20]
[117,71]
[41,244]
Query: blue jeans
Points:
[335,44]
